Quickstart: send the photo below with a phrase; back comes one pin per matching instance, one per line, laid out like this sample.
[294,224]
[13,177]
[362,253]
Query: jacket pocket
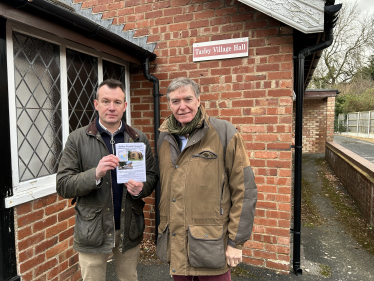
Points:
[162,244]
[206,154]
[206,246]
[137,219]
[89,225]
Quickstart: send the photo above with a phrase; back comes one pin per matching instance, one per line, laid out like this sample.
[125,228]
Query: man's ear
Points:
[96,104]
[125,106]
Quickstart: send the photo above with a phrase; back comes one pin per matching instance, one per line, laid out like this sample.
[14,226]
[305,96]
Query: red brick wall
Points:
[44,241]
[357,175]
[254,93]
[318,124]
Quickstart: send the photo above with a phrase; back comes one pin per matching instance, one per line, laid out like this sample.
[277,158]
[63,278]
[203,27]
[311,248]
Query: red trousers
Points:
[223,277]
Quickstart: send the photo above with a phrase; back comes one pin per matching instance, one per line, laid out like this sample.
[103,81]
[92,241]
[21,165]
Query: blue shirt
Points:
[184,141]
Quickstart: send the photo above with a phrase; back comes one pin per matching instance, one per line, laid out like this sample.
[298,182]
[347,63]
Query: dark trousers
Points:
[223,277]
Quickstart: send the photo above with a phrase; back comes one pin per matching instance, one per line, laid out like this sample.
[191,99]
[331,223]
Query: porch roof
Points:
[320,93]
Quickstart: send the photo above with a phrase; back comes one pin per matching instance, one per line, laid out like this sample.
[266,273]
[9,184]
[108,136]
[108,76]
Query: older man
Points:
[208,192]
[109,215]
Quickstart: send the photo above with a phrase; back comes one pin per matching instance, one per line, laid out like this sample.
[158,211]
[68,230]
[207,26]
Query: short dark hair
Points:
[112,84]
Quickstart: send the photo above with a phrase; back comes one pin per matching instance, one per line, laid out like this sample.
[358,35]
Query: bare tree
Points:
[356,86]
[353,43]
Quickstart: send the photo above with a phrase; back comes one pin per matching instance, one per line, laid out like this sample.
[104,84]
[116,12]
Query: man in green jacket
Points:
[109,215]
[208,192]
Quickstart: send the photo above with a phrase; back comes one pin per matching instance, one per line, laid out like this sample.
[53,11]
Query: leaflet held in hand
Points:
[131,162]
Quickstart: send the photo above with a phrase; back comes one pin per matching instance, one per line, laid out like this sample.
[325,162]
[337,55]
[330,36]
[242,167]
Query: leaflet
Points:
[131,162]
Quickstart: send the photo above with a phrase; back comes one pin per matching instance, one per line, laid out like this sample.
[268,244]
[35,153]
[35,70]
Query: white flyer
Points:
[131,162]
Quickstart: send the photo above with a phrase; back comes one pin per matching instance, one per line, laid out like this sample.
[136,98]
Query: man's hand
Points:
[106,163]
[233,256]
[134,187]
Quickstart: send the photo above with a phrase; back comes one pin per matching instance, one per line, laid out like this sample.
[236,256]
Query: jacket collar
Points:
[92,130]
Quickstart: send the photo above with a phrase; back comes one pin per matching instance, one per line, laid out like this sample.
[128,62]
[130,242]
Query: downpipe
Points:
[156,114]
[330,20]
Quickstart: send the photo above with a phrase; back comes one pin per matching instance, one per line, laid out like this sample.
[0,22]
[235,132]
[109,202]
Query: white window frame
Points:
[39,187]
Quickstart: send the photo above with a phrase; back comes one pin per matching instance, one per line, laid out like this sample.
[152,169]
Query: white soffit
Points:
[306,16]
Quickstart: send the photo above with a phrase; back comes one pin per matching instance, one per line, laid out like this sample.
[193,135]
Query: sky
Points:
[364,5]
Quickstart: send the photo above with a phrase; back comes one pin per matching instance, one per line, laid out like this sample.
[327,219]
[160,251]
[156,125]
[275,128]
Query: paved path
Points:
[362,148]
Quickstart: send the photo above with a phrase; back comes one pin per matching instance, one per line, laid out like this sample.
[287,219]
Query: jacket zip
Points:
[111,192]
[112,142]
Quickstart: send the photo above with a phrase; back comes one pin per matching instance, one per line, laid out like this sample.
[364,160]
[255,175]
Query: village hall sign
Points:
[220,49]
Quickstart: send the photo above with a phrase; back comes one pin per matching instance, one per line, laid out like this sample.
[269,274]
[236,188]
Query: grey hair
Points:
[182,82]
[112,84]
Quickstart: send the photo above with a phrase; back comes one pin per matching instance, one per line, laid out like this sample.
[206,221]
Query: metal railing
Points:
[360,124]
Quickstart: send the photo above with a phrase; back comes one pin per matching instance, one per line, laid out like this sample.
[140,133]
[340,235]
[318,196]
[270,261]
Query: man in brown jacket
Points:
[208,192]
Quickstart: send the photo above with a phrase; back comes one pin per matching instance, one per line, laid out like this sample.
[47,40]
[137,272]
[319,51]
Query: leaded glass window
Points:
[82,73]
[52,86]
[38,106]
[114,71]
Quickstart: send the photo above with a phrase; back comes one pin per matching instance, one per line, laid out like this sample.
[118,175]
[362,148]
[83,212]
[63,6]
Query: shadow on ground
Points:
[337,243]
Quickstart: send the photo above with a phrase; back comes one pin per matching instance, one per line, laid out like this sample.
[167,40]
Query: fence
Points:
[360,124]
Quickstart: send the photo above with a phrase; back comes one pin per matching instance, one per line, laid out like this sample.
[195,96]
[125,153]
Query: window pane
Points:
[82,84]
[114,71]
[39,126]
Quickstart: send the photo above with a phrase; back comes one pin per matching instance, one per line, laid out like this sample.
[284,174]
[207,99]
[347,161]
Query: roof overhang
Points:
[319,94]
[306,16]
[66,16]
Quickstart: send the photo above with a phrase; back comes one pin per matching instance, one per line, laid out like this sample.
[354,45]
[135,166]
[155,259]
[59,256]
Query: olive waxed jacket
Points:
[208,197]
[94,230]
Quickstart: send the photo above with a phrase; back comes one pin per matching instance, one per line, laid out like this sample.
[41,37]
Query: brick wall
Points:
[254,93]
[44,241]
[318,124]
[330,117]
[357,175]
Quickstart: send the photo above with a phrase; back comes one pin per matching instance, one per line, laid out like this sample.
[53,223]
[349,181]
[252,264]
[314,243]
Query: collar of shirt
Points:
[109,132]
[184,141]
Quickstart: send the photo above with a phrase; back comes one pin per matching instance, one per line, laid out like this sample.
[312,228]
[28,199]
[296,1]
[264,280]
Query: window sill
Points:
[29,195]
